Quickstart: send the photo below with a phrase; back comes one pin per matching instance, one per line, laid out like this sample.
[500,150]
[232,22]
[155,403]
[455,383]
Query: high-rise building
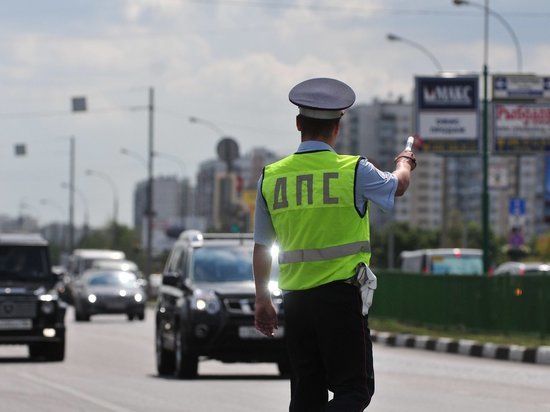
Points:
[172,207]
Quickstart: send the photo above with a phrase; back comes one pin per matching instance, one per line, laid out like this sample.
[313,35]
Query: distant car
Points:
[108,292]
[83,259]
[31,312]
[443,261]
[205,307]
[522,268]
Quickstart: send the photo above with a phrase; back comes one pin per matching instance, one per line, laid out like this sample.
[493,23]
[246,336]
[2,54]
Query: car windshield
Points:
[24,263]
[457,265]
[112,279]
[222,264]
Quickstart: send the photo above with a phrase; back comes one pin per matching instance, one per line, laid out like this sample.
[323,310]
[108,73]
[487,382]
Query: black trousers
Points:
[328,340]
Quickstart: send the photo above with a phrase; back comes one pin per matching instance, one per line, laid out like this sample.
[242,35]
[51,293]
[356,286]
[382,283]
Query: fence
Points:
[478,303]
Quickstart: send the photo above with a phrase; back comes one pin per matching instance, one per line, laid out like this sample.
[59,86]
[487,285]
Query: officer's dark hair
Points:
[317,127]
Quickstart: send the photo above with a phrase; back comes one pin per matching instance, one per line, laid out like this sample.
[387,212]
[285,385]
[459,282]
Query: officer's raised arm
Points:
[405,162]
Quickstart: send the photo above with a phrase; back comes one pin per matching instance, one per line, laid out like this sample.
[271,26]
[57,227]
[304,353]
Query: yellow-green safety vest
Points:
[321,234]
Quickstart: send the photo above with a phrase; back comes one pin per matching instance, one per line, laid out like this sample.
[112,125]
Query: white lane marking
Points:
[75,393]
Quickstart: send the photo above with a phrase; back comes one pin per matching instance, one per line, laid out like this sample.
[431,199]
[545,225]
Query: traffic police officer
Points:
[313,203]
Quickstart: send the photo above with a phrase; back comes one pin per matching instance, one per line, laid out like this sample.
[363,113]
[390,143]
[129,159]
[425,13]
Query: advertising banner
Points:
[447,114]
[521,128]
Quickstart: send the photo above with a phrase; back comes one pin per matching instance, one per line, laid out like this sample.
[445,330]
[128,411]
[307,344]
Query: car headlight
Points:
[92,298]
[47,297]
[205,302]
[138,297]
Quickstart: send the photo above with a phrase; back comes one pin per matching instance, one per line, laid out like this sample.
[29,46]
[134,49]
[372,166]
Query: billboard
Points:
[521,128]
[447,114]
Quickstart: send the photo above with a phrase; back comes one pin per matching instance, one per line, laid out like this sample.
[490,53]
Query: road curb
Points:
[516,353]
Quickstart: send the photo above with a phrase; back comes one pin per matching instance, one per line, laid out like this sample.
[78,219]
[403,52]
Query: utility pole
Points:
[150,208]
[71,194]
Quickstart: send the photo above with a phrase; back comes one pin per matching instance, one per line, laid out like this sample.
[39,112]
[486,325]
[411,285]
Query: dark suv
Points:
[30,311]
[205,306]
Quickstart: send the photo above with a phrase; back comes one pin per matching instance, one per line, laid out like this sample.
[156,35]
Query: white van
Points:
[83,259]
[443,261]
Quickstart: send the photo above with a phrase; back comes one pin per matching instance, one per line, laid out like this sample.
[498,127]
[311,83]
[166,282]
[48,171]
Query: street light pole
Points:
[485,201]
[135,155]
[506,25]
[207,123]
[393,37]
[485,132]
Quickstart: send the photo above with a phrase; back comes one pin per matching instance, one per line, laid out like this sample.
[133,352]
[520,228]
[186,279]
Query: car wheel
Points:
[141,316]
[284,368]
[186,364]
[130,316]
[164,357]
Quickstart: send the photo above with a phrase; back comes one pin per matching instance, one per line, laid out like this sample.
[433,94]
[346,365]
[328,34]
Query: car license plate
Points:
[250,332]
[15,324]
[115,305]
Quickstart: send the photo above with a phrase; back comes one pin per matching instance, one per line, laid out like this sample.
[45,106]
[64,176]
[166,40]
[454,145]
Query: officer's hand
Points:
[408,156]
[266,316]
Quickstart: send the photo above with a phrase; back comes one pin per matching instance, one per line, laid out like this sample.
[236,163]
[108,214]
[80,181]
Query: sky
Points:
[229,63]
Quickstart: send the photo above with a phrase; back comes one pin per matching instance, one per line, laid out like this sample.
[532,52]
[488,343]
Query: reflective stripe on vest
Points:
[333,252]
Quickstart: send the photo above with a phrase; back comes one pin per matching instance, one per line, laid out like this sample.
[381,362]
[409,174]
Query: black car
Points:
[31,312]
[205,307]
[108,291]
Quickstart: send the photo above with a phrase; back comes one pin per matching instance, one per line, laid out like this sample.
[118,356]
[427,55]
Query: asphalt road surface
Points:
[110,366]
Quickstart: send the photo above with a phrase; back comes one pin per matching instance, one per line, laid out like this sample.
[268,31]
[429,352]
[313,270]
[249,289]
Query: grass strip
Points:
[512,338]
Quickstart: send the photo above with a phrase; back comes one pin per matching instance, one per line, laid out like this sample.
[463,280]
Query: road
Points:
[110,366]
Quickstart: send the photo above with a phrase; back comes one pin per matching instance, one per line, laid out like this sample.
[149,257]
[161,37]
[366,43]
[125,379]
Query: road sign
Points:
[516,207]
[498,176]
[520,86]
